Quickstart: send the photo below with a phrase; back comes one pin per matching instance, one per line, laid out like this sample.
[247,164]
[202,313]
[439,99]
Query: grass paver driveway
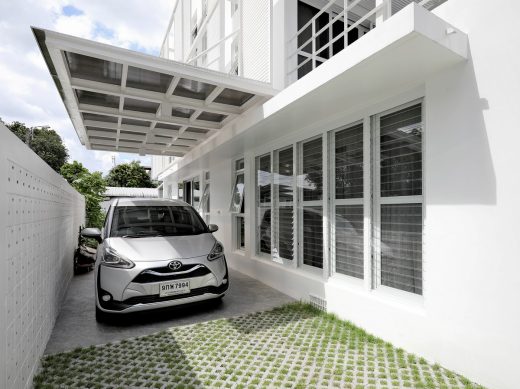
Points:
[292,346]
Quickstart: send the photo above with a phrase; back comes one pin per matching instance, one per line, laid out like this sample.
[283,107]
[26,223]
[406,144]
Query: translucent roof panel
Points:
[167,126]
[94,69]
[233,97]
[197,130]
[140,105]
[94,98]
[130,96]
[211,117]
[135,122]
[193,89]
[148,80]
[182,112]
[99,118]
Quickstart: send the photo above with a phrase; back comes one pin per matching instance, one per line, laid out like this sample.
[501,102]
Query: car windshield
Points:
[144,221]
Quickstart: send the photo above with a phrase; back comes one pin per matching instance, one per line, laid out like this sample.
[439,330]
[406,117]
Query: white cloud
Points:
[27,92]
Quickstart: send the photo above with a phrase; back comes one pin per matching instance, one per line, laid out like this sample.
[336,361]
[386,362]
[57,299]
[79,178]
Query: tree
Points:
[129,175]
[90,185]
[19,129]
[44,141]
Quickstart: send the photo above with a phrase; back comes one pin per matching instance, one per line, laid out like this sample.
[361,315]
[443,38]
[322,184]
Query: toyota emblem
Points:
[175,265]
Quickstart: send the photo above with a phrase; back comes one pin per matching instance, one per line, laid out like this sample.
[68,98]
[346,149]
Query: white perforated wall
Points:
[40,215]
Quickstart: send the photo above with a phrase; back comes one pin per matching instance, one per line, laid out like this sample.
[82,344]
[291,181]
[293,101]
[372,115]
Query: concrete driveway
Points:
[76,325]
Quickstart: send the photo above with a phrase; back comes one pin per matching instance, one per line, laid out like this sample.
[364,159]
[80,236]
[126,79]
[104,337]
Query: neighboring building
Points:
[360,154]
[113,193]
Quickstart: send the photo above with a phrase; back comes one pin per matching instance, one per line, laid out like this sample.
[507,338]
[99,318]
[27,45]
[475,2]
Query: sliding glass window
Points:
[347,207]
[310,188]
[399,194]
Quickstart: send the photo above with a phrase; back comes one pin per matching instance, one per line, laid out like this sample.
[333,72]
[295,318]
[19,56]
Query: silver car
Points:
[155,253]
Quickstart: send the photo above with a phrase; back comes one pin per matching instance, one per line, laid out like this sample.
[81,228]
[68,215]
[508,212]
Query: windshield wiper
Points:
[142,235]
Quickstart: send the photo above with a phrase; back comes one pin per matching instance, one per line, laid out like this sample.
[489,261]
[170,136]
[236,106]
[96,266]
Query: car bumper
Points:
[130,292]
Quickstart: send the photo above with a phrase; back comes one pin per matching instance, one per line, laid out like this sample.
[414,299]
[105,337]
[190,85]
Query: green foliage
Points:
[44,141]
[129,175]
[90,185]
[19,129]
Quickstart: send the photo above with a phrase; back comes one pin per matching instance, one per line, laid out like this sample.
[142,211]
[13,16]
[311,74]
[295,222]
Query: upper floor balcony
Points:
[322,29]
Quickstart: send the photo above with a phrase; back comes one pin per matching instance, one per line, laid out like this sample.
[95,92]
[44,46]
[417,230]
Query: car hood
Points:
[162,248]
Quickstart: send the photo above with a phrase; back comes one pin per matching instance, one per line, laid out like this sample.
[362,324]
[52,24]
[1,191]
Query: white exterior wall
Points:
[468,317]
[256,40]
[40,219]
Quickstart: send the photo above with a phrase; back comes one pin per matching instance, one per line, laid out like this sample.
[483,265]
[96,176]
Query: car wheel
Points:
[101,317]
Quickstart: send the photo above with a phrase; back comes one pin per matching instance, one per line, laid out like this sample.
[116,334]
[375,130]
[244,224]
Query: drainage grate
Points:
[318,302]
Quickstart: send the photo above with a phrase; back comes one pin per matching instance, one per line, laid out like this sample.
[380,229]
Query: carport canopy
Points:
[126,101]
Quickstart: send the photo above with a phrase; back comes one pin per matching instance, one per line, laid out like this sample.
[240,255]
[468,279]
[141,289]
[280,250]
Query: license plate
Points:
[174,287]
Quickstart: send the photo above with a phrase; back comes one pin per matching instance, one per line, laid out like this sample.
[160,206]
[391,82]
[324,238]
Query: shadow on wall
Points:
[458,163]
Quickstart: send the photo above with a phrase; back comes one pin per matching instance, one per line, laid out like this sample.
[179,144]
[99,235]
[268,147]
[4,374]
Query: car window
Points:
[135,221]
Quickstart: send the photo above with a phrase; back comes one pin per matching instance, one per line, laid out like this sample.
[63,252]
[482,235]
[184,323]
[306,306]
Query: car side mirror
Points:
[92,233]
[213,228]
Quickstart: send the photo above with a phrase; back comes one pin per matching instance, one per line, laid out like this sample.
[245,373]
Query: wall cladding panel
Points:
[40,215]
[256,40]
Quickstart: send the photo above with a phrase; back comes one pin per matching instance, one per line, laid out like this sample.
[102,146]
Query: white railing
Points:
[304,51]
[217,56]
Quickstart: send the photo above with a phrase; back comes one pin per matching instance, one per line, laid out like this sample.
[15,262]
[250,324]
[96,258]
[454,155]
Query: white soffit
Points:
[122,100]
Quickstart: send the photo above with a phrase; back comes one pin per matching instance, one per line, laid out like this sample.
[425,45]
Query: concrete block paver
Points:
[291,346]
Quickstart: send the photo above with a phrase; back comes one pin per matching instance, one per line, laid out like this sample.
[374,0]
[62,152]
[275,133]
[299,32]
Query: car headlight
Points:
[216,252]
[112,258]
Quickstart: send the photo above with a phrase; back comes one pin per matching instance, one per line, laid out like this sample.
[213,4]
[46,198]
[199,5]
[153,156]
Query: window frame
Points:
[275,208]
[371,188]
[378,200]
[266,205]
[237,218]
[205,197]
[334,202]
[323,203]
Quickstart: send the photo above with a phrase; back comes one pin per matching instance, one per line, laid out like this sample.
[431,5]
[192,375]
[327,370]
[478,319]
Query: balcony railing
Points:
[334,27]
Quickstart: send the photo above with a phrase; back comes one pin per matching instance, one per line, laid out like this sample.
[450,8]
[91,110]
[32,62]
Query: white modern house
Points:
[359,154]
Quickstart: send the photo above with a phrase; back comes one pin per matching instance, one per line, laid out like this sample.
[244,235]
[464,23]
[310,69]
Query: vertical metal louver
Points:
[263,188]
[401,199]
[349,217]
[284,211]
[311,181]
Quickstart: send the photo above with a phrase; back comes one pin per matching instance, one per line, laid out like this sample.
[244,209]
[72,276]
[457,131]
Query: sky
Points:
[27,92]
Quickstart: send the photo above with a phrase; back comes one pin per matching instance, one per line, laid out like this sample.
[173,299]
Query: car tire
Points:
[101,317]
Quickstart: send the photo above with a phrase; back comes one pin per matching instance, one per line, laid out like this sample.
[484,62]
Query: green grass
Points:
[293,346]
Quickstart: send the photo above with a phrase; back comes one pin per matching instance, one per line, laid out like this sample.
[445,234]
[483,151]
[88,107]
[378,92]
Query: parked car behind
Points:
[155,253]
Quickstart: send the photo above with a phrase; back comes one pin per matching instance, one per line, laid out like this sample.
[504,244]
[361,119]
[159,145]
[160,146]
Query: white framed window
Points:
[347,198]
[398,198]
[367,179]
[263,204]
[310,202]
[284,204]
[237,206]
[196,192]
[204,207]
[180,191]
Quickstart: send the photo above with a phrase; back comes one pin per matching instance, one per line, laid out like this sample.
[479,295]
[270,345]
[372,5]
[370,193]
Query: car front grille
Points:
[166,274]
[155,298]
